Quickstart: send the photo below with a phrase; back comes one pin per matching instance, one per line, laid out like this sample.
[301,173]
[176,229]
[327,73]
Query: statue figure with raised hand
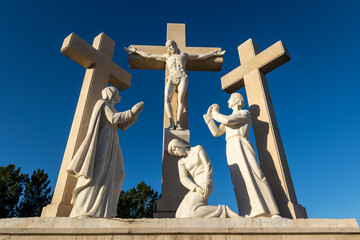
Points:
[195,172]
[98,163]
[177,79]
[253,194]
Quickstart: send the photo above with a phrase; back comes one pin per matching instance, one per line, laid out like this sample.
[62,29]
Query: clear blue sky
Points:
[315,95]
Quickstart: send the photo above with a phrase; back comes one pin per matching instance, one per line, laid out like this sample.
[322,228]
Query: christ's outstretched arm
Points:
[215,53]
[146,55]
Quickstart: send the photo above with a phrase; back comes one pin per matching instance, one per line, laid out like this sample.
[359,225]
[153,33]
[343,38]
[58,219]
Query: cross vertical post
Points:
[172,191]
[101,70]
[251,75]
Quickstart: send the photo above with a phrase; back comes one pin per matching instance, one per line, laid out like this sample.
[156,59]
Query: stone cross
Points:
[172,191]
[100,70]
[251,74]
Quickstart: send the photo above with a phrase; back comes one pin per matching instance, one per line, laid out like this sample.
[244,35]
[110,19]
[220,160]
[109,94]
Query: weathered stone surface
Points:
[239,228]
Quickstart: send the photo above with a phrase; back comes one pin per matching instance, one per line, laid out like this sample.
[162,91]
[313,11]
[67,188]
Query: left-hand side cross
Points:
[101,70]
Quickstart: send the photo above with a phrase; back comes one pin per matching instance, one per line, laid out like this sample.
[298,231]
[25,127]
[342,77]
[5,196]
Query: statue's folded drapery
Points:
[98,163]
[252,191]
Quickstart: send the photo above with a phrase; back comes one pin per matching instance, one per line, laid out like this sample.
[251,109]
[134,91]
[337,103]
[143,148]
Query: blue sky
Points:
[315,95]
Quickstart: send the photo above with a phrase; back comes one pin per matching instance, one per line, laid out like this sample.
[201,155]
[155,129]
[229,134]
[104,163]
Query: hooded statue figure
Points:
[98,163]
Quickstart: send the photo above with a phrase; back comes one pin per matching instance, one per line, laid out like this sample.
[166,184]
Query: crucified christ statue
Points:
[177,79]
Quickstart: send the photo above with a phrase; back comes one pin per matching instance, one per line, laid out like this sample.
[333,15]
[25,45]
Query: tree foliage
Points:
[36,195]
[138,202]
[21,196]
[11,188]
[24,196]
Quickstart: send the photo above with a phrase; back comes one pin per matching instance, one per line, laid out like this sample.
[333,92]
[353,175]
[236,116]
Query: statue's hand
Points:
[130,49]
[199,190]
[210,109]
[218,53]
[205,192]
[215,107]
[215,110]
[137,108]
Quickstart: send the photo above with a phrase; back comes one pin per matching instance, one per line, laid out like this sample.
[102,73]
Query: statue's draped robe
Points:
[194,205]
[252,191]
[98,163]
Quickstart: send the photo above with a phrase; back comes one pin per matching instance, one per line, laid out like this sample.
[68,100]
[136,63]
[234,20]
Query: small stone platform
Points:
[170,228]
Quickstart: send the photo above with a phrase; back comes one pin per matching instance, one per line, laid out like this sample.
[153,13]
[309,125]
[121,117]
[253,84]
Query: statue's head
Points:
[177,147]
[111,93]
[236,99]
[172,47]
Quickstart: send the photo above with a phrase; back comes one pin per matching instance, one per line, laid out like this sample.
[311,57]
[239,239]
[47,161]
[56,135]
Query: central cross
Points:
[172,191]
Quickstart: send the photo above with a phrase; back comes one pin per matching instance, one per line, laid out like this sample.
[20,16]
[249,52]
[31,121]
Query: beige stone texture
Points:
[101,70]
[251,74]
[172,191]
[251,59]
[168,229]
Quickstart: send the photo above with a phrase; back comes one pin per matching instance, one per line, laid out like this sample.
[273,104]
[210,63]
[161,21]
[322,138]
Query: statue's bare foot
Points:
[172,126]
[178,127]
[276,216]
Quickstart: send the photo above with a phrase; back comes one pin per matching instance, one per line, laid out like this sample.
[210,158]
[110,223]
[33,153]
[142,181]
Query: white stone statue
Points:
[98,163]
[253,194]
[195,172]
[177,79]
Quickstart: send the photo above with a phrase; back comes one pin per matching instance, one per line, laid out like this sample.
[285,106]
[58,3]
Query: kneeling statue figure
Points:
[195,164]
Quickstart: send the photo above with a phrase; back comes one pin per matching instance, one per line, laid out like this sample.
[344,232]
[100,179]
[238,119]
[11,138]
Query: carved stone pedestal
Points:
[169,229]
[172,191]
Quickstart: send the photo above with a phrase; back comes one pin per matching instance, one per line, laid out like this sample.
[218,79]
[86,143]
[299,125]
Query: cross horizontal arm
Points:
[119,78]
[86,55]
[138,62]
[79,50]
[266,61]
[211,64]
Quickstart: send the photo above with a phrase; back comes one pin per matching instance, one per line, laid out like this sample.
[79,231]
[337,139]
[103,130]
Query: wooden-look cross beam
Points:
[251,74]
[101,70]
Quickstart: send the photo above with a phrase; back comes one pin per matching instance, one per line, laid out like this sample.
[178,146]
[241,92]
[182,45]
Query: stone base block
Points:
[189,229]
[172,191]
[57,210]
[182,135]
[166,207]
[292,210]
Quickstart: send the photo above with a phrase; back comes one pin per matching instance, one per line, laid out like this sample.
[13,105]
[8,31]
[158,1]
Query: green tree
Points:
[12,184]
[139,202]
[36,195]
[21,196]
